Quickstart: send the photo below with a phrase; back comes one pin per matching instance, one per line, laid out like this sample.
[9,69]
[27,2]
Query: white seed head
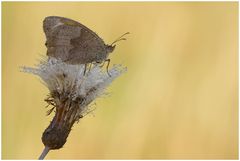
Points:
[70,81]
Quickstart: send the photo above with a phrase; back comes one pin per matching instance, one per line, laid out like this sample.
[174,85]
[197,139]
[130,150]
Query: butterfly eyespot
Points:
[46,44]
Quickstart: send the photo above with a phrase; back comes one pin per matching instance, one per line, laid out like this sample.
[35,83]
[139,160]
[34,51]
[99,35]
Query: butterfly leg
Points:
[85,69]
[108,62]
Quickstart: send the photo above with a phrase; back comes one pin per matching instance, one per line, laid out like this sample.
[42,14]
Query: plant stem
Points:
[44,153]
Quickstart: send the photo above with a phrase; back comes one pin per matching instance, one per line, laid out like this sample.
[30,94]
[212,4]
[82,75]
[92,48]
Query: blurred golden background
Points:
[178,100]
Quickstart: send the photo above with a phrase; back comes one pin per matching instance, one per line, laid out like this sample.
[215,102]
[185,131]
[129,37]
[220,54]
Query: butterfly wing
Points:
[87,48]
[59,36]
[71,41]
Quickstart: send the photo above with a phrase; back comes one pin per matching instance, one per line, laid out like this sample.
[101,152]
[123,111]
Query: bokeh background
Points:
[178,100]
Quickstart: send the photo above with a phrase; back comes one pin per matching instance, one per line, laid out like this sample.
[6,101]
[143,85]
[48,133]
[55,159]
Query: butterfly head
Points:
[110,48]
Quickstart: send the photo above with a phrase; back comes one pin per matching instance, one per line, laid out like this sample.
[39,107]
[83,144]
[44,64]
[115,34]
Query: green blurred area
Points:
[178,100]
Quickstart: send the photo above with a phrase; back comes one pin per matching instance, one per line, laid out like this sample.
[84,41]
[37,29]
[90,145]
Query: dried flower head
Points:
[71,92]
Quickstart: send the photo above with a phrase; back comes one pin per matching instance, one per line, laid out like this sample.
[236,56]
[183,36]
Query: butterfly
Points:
[74,43]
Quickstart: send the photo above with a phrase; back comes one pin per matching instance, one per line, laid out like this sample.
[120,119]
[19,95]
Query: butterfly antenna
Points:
[120,38]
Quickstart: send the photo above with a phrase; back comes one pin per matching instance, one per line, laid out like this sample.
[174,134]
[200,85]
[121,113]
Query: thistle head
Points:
[71,93]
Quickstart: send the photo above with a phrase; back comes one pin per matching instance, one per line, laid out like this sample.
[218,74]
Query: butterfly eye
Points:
[45,43]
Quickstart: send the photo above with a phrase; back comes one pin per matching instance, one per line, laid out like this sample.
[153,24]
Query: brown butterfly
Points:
[74,43]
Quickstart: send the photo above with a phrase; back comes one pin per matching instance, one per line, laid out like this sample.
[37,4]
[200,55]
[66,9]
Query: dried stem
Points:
[44,153]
